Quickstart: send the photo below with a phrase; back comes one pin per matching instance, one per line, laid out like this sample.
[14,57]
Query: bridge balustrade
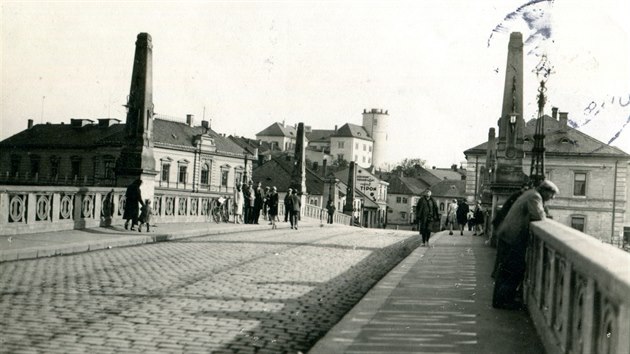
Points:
[31,209]
[577,291]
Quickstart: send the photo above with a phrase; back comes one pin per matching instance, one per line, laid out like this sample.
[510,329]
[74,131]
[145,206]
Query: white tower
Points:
[376,123]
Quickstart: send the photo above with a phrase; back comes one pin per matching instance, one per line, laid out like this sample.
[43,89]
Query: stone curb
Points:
[123,241]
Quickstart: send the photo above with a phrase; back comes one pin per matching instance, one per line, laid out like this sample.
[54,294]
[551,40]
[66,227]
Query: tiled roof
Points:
[278,129]
[406,185]
[264,148]
[66,136]
[449,189]
[569,142]
[447,173]
[352,131]
[168,133]
[277,172]
[319,135]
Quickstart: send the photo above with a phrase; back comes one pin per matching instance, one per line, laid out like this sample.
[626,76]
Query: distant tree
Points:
[341,163]
[409,166]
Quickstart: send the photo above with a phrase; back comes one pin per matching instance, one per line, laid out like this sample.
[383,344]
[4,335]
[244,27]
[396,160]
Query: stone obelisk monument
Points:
[298,177]
[348,207]
[136,157]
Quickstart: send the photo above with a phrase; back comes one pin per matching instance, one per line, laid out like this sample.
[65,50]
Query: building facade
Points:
[592,177]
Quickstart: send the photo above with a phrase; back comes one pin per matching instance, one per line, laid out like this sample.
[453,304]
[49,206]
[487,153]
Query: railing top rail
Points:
[607,264]
[57,189]
[166,191]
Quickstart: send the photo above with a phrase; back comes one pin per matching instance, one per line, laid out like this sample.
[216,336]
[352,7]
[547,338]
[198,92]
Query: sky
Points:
[438,67]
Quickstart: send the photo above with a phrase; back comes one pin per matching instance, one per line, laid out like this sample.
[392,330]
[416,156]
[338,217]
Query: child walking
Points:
[145,215]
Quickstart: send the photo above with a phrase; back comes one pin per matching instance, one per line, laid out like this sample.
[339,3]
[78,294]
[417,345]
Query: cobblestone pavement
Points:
[267,292]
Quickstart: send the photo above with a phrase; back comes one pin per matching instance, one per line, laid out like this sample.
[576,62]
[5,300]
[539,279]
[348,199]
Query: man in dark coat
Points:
[513,235]
[426,212]
[296,204]
[258,203]
[133,197]
[287,205]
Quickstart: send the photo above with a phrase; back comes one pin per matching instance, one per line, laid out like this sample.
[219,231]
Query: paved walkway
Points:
[438,300]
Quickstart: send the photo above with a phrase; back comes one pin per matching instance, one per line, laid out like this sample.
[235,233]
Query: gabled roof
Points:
[342,174]
[447,173]
[181,134]
[349,130]
[449,189]
[569,141]
[319,135]
[264,147]
[278,129]
[406,185]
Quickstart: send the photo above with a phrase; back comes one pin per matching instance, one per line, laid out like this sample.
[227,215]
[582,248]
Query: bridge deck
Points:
[437,300]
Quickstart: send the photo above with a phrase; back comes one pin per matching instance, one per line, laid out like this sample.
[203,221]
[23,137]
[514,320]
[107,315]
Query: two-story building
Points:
[591,176]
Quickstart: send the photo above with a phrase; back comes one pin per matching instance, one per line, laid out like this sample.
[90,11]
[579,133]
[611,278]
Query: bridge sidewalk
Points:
[437,300]
[46,244]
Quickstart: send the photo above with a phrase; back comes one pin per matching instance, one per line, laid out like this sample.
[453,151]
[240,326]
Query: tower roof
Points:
[349,130]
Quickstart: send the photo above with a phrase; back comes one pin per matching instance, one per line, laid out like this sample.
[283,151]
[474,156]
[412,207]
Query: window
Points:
[35,159]
[340,144]
[75,166]
[224,178]
[363,158]
[398,200]
[109,163]
[370,148]
[356,146]
[166,170]
[54,166]
[238,177]
[441,206]
[15,164]
[340,157]
[205,171]
[577,222]
[403,215]
[404,200]
[364,147]
[369,160]
[181,178]
[579,184]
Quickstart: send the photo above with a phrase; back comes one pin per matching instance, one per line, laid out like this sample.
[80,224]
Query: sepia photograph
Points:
[431,176]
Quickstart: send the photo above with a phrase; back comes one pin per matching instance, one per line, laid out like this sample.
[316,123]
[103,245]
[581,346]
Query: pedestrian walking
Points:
[451,216]
[513,234]
[145,215]
[133,197]
[478,219]
[296,205]
[258,202]
[250,203]
[426,212]
[462,215]
[273,207]
[330,207]
[287,207]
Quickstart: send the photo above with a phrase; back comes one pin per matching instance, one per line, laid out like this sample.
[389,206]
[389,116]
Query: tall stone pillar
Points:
[136,157]
[508,175]
[298,177]
[348,208]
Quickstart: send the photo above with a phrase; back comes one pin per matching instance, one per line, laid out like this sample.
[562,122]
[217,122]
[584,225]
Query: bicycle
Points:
[220,210]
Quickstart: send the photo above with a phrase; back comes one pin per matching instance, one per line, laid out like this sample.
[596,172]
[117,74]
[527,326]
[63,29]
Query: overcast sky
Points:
[437,66]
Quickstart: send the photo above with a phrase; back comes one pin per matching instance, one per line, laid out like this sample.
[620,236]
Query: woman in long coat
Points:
[272,202]
[133,197]
[462,215]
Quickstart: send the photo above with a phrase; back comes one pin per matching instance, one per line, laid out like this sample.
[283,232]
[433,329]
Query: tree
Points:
[340,162]
[409,166]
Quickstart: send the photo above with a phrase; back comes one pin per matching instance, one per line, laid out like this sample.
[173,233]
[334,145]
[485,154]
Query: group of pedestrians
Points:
[459,214]
[511,228]
[252,203]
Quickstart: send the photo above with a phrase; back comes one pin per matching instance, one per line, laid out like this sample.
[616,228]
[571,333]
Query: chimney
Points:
[554,113]
[190,120]
[324,167]
[30,124]
[564,118]
[205,124]
[335,128]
